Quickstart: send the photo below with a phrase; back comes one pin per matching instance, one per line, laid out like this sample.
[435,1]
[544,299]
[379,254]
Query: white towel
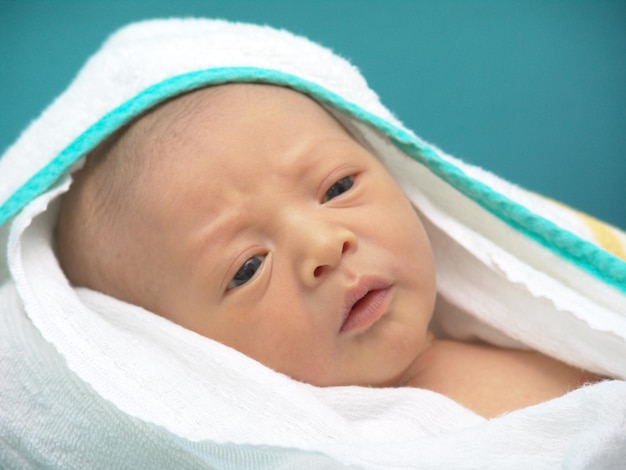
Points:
[92,382]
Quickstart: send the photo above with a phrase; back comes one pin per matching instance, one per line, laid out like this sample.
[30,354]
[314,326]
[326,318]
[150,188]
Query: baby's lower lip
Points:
[367,311]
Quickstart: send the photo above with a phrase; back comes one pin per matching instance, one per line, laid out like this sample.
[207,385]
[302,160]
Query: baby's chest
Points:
[492,381]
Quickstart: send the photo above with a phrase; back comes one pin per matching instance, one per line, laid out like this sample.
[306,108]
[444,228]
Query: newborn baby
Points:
[248,214]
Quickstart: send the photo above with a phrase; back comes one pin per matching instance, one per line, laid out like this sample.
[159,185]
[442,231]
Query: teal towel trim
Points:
[582,253]
[586,255]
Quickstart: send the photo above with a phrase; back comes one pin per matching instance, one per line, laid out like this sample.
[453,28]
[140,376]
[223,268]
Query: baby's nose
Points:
[325,246]
[334,259]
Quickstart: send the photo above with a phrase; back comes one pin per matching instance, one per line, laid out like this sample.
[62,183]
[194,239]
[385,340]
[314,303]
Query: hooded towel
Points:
[88,381]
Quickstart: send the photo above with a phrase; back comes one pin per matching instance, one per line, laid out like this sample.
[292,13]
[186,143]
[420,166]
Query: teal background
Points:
[533,90]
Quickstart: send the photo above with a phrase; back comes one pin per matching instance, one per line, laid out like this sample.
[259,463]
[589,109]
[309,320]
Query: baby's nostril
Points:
[345,247]
[318,271]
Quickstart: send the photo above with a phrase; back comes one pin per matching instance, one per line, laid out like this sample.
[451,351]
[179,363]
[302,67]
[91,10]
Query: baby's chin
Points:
[370,369]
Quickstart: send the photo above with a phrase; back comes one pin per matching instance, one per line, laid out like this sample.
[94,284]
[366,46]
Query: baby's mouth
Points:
[364,305]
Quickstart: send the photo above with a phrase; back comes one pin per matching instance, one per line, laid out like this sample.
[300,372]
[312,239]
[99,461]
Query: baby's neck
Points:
[491,380]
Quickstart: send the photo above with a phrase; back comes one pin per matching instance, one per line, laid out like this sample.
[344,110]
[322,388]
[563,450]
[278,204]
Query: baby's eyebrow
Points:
[302,156]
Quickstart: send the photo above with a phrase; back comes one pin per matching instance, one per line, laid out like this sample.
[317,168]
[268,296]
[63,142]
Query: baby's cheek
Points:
[286,350]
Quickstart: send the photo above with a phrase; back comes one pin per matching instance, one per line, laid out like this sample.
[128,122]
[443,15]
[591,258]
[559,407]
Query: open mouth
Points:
[366,309]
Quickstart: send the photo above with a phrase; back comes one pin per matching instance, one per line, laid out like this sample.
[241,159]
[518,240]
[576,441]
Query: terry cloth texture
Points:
[92,382]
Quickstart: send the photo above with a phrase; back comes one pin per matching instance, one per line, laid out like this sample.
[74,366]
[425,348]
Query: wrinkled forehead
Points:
[220,119]
[224,116]
[218,103]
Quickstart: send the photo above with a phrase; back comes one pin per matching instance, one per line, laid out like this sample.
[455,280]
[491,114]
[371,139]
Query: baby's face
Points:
[277,234]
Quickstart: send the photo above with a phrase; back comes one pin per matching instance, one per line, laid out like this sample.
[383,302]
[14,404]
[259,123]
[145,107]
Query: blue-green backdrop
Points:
[533,90]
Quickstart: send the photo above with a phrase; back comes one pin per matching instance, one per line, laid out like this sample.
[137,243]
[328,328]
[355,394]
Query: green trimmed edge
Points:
[582,253]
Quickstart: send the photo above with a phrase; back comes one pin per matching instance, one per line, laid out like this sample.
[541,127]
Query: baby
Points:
[248,214]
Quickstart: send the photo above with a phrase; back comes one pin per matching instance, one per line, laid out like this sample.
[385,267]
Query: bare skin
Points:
[490,380]
[264,225]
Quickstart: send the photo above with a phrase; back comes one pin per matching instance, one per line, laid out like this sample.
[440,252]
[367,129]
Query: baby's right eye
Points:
[246,272]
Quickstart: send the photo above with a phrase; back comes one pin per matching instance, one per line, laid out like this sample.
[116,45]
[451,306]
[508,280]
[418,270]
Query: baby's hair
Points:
[99,193]
[93,240]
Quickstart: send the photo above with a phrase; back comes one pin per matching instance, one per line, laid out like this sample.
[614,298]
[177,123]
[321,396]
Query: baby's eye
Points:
[338,188]
[246,272]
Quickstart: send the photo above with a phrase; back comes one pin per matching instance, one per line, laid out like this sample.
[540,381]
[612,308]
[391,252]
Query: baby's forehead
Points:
[179,111]
[216,98]
[225,117]
[216,101]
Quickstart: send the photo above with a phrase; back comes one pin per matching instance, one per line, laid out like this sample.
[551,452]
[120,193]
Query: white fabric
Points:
[173,393]
[91,382]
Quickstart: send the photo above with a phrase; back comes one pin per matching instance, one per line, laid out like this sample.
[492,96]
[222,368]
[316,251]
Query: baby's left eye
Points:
[338,188]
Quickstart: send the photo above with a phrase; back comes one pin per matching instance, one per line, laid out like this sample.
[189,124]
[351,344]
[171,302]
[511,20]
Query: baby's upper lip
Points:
[360,289]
